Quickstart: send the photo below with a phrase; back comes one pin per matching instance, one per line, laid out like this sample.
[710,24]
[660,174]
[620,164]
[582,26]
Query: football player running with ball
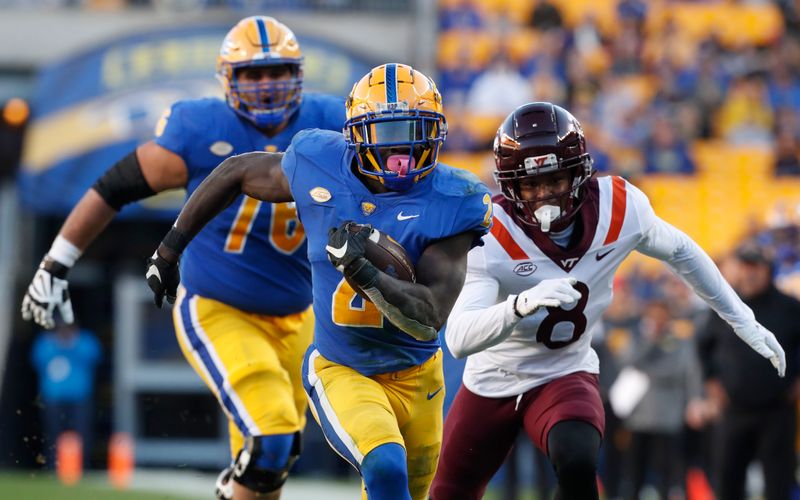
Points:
[532,293]
[243,316]
[373,374]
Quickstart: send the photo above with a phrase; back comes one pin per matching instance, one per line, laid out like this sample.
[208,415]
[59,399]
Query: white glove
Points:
[764,342]
[547,293]
[48,289]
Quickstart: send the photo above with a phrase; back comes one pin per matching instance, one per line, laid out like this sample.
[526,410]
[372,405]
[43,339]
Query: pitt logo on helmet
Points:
[395,125]
[261,41]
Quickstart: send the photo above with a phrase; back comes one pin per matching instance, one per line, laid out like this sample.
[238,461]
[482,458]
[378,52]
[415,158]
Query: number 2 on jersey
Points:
[350,309]
[285,231]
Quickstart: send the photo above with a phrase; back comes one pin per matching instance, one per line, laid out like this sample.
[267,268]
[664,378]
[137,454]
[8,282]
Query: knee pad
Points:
[263,464]
[385,473]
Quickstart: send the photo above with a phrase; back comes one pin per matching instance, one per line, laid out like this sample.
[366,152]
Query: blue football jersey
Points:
[252,256]
[349,330]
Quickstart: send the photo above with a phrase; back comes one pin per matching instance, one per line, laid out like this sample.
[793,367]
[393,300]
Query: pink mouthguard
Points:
[399,164]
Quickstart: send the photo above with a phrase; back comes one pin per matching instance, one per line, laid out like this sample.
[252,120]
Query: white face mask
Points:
[547,214]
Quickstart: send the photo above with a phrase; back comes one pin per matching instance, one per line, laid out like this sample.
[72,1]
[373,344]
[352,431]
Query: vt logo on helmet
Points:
[260,67]
[395,124]
[541,165]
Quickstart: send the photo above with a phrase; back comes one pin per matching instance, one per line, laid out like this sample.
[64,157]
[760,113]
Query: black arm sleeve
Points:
[123,183]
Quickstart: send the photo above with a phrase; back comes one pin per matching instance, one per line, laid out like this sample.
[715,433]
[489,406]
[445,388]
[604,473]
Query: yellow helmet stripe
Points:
[390,82]
[263,34]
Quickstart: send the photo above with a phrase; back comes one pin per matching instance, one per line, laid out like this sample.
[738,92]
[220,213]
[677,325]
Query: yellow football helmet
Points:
[395,124]
[261,41]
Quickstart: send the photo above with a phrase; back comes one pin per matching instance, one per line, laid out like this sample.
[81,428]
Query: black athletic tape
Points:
[175,241]
[123,183]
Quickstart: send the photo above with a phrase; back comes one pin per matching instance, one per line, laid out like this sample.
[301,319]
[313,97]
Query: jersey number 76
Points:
[285,231]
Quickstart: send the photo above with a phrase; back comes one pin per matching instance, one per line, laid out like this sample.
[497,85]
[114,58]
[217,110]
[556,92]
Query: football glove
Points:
[547,293]
[163,278]
[48,290]
[764,342]
[346,244]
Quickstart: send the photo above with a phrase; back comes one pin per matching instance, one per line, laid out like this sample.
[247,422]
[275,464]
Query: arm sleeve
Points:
[477,321]
[686,259]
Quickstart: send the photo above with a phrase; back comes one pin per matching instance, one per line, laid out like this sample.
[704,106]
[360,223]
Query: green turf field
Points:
[40,485]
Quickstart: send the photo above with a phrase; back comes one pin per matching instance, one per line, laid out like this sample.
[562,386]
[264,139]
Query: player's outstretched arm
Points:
[419,309]
[142,173]
[258,175]
[478,322]
[685,257]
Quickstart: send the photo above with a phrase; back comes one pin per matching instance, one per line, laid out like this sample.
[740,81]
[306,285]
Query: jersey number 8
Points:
[557,315]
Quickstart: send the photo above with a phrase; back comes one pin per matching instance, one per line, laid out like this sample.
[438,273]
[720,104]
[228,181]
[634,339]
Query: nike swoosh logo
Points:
[433,394]
[153,271]
[337,252]
[402,217]
[601,256]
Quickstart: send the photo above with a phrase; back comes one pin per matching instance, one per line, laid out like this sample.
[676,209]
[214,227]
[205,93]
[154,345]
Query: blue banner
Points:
[93,108]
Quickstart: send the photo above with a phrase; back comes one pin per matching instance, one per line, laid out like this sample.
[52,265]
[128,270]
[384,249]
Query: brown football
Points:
[385,253]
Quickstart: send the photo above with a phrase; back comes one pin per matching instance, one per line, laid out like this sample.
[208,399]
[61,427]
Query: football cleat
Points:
[254,42]
[395,125]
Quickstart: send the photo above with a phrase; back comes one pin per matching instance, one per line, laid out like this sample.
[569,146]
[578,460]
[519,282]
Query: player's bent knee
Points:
[385,472]
[574,448]
[263,464]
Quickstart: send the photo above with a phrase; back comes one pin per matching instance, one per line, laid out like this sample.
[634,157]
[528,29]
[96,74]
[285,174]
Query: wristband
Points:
[55,268]
[362,272]
[64,252]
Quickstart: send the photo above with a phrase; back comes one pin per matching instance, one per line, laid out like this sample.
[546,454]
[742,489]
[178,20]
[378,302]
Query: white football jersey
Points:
[552,342]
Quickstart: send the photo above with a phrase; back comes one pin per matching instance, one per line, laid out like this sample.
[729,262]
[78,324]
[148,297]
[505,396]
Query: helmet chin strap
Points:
[545,215]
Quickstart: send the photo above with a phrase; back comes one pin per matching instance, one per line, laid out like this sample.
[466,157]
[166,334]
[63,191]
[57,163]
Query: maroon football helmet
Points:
[539,139]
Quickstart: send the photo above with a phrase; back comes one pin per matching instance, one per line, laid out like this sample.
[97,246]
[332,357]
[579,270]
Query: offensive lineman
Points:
[242,318]
[541,281]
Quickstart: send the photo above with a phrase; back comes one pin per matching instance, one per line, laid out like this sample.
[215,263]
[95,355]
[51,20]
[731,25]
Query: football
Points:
[385,253]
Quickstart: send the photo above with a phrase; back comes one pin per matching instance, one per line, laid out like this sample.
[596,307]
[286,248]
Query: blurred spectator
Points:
[460,14]
[758,420]
[545,16]
[613,343]
[787,159]
[664,152]
[667,357]
[494,94]
[65,359]
[746,117]
[783,87]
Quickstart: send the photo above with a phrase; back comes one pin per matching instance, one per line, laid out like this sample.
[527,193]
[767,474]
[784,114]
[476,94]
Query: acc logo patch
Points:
[221,148]
[320,194]
[367,208]
[525,268]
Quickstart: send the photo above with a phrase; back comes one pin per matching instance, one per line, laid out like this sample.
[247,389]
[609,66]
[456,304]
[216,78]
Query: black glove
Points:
[346,244]
[163,278]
